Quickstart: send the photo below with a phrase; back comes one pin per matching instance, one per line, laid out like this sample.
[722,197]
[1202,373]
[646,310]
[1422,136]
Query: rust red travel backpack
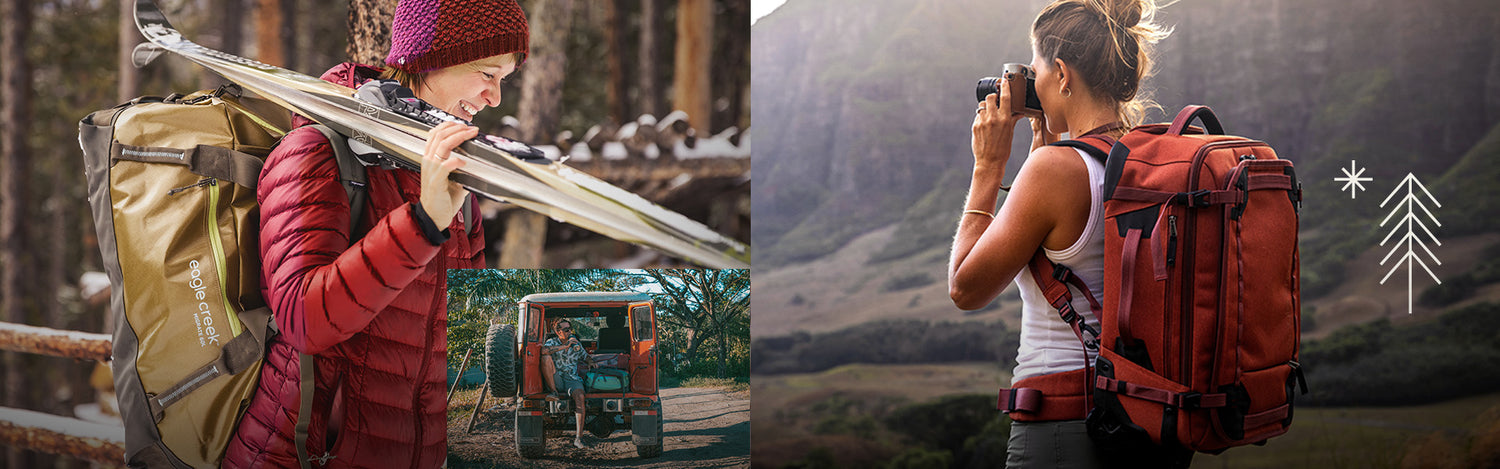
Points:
[1201,320]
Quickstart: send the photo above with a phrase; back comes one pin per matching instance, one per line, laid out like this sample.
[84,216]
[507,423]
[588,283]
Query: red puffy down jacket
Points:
[374,314]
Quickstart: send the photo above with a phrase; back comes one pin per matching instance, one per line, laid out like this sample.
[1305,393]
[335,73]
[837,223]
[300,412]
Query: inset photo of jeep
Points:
[582,368]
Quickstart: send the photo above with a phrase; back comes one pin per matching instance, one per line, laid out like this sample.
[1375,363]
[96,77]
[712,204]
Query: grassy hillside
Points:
[1469,190]
[866,416]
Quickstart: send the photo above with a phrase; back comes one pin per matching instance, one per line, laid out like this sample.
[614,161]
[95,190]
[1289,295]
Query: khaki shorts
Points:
[1066,444]
[1062,445]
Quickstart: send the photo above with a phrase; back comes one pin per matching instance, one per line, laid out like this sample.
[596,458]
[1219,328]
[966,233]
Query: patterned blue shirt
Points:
[567,360]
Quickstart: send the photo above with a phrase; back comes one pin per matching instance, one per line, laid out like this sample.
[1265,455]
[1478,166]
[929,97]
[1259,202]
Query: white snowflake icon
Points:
[1352,179]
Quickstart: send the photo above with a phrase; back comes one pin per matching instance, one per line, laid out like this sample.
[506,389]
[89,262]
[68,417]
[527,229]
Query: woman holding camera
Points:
[1089,58]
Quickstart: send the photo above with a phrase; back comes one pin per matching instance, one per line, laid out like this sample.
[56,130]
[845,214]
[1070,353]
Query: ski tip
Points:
[145,53]
[150,20]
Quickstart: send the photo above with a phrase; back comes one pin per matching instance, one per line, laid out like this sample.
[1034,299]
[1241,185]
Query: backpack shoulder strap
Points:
[304,408]
[351,175]
[1108,151]
[1097,146]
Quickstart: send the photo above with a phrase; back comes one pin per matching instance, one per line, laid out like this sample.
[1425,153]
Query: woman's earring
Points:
[1067,93]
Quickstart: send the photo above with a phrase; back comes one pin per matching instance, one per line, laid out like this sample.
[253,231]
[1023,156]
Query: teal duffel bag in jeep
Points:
[607,380]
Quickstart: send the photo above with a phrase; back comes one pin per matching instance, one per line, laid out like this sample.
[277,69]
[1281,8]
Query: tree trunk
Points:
[130,77]
[56,265]
[370,30]
[731,70]
[269,32]
[320,27]
[695,338]
[289,34]
[525,235]
[539,112]
[546,69]
[231,36]
[691,87]
[616,95]
[723,354]
[646,62]
[15,169]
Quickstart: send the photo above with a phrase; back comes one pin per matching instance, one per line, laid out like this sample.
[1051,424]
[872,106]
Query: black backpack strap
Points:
[1095,145]
[1113,158]
[351,175]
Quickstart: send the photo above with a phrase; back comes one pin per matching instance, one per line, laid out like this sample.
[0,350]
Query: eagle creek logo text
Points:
[207,334]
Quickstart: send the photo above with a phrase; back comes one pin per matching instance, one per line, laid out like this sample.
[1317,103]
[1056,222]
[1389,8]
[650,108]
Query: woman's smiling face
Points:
[464,90]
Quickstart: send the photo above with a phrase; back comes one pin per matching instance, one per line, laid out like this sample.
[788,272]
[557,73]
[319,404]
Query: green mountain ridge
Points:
[870,107]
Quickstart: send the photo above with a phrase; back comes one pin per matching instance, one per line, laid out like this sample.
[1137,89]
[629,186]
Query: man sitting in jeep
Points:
[568,355]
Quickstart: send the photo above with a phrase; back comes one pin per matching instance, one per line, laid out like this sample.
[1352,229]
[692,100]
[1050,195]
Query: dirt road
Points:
[705,427]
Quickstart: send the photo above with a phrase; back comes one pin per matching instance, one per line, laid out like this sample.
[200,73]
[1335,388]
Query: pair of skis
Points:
[548,188]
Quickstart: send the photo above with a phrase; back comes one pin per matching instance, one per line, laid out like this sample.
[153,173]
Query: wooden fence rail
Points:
[96,442]
[54,342]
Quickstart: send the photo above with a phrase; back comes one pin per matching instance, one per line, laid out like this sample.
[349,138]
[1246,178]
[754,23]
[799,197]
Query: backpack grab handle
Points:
[1202,113]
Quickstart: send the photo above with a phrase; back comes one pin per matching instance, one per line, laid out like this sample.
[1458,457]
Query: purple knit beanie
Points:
[430,34]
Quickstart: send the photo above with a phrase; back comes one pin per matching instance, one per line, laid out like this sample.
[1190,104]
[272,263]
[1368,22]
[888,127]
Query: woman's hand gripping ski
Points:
[442,198]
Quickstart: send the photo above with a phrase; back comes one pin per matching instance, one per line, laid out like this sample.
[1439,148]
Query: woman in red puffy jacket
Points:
[373,312]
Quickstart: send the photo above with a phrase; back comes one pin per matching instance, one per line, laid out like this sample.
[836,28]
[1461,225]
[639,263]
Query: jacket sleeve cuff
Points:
[429,229]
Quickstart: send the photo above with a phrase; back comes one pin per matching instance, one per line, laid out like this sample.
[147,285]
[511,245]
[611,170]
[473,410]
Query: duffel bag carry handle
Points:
[1195,111]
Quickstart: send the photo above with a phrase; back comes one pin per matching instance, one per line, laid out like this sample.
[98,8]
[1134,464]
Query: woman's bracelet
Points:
[980,212]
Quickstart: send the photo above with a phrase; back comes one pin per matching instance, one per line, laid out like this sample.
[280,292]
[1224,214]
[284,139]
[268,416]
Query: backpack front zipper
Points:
[218,247]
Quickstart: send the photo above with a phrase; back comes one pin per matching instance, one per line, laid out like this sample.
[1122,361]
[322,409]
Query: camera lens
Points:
[985,87]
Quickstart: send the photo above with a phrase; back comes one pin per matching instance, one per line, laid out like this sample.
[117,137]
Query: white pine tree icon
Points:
[1410,241]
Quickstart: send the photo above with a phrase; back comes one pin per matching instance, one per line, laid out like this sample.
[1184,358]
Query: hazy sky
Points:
[759,8]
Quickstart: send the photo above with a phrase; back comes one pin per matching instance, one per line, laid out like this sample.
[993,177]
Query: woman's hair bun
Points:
[1107,42]
[1125,13]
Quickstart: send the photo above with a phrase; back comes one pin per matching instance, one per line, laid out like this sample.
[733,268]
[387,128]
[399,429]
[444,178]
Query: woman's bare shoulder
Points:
[1051,165]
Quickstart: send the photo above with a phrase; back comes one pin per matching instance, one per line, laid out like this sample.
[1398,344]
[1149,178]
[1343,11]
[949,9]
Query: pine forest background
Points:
[593,63]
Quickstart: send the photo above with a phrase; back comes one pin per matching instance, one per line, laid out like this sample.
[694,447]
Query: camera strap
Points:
[1110,127]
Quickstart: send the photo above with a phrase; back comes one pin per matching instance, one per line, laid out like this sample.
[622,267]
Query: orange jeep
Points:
[618,329]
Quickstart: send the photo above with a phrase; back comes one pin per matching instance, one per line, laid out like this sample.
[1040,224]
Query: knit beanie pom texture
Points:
[427,35]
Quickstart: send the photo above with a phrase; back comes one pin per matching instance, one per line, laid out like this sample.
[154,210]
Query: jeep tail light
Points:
[530,404]
[640,403]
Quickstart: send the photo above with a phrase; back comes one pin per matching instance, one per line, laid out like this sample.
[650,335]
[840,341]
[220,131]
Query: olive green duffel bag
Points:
[172,187]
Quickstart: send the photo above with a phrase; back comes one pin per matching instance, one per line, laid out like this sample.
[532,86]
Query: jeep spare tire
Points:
[500,359]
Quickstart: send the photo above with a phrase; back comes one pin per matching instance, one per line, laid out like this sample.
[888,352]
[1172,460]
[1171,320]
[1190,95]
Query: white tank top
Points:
[1047,343]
